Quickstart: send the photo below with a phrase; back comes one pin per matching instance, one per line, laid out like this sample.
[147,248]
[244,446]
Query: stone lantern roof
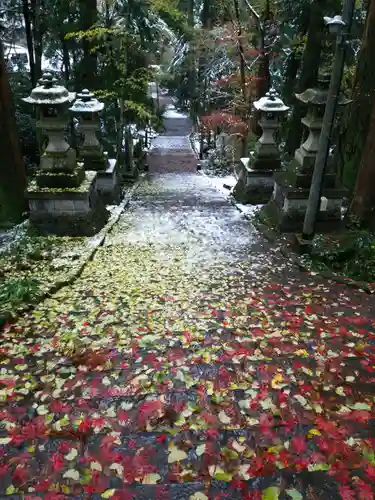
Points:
[271,103]
[47,92]
[86,103]
[318,95]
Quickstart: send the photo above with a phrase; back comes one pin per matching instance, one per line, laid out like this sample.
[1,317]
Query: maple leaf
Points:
[346,492]
[298,444]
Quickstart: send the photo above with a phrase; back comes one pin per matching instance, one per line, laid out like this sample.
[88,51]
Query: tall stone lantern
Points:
[291,189]
[63,198]
[256,173]
[87,109]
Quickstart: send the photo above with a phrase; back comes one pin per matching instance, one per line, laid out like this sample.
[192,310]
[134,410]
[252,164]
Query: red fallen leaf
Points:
[370,471]
[57,461]
[4,469]
[149,409]
[20,475]
[347,493]
[364,490]
[59,407]
[212,433]
[360,416]
[298,444]
[43,485]
[132,444]
[161,439]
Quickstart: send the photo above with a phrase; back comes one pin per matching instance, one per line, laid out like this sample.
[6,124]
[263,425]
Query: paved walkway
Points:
[212,368]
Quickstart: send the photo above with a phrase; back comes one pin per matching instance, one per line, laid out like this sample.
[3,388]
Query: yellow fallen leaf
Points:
[223,417]
[108,493]
[277,379]
[72,454]
[175,455]
[152,478]
[198,496]
[313,432]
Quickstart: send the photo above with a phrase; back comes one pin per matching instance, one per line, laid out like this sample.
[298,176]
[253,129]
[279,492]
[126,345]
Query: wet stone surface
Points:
[189,361]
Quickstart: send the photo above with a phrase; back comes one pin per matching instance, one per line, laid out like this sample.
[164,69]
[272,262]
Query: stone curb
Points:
[93,244]
[273,236]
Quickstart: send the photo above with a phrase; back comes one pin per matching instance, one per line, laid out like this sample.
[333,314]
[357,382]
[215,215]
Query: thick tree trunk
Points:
[88,17]
[353,136]
[29,40]
[363,203]
[12,171]
[361,144]
[309,72]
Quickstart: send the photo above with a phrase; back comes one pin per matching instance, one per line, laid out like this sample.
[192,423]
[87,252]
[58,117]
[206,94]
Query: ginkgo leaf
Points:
[108,493]
[198,496]
[223,417]
[96,466]
[5,440]
[71,474]
[175,455]
[118,468]
[271,493]
[294,494]
[152,478]
[72,454]
[200,449]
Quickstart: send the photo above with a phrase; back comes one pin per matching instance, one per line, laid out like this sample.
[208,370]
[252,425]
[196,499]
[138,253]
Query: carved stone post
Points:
[87,109]
[63,198]
[256,173]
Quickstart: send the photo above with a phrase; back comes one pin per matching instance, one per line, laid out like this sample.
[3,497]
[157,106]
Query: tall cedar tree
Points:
[361,145]
[12,171]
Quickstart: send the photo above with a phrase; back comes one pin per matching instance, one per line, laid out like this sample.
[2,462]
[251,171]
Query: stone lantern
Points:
[256,173]
[63,198]
[52,102]
[87,109]
[291,189]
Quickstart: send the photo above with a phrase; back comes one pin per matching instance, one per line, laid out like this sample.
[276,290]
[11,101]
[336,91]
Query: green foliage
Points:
[17,291]
[351,253]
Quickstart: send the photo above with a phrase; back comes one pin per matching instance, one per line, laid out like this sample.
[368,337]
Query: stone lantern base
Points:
[108,184]
[255,185]
[287,207]
[69,211]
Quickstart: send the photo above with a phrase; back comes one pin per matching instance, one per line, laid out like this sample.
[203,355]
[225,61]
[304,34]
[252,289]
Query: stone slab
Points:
[170,145]
[33,192]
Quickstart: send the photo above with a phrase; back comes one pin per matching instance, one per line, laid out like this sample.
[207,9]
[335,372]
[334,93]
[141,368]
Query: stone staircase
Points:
[172,152]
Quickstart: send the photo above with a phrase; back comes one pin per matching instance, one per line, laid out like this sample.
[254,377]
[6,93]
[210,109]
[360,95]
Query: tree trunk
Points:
[88,17]
[244,112]
[309,72]
[353,136]
[361,147]
[363,203]
[38,32]
[12,171]
[29,40]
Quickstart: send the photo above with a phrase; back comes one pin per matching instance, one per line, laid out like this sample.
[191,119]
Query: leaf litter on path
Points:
[190,360]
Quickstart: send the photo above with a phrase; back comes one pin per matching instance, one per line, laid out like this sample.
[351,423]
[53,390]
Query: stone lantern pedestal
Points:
[288,203]
[63,198]
[87,108]
[256,173]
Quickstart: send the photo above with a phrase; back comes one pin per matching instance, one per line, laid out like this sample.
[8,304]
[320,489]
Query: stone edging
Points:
[273,236]
[296,259]
[93,244]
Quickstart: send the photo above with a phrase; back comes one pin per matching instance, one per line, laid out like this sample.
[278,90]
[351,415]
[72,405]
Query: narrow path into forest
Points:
[212,367]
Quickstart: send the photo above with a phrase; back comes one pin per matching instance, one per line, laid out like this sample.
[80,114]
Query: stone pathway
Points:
[189,361]
[172,152]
